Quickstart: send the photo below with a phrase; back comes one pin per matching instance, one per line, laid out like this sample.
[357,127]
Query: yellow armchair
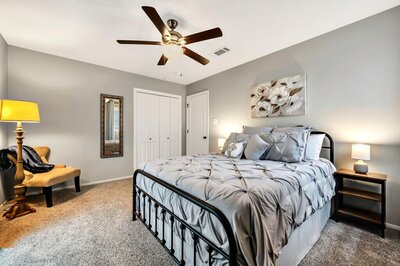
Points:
[60,173]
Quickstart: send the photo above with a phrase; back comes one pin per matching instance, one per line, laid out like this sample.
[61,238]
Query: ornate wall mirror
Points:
[111,126]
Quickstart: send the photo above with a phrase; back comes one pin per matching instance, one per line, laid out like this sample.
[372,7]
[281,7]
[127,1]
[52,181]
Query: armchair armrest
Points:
[60,166]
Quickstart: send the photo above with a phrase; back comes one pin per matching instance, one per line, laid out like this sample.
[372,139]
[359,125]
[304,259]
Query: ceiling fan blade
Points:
[204,35]
[163,60]
[195,56]
[156,19]
[138,42]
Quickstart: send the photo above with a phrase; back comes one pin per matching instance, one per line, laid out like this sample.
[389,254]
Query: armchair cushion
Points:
[55,176]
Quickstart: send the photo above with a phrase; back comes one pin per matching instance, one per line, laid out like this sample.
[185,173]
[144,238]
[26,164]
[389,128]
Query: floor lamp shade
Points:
[19,111]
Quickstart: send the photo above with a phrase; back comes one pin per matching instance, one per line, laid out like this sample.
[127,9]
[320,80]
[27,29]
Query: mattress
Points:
[264,201]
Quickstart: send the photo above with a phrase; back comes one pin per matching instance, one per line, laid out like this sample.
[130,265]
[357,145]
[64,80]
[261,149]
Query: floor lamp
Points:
[27,112]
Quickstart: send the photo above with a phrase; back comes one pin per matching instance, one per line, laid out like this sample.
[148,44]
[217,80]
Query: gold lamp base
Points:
[19,208]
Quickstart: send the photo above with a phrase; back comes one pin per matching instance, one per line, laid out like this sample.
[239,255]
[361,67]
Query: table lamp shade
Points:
[19,111]
[360,152]
[221,142]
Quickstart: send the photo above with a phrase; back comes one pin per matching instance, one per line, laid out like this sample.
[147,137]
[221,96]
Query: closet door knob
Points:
[149,138]
[204,137]
[167,137]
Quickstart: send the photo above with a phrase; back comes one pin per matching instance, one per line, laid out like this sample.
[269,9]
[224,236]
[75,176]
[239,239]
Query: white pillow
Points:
[314,146]
[235,150]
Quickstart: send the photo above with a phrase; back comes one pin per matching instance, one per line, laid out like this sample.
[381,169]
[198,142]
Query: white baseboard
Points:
[82,185]
[393,226]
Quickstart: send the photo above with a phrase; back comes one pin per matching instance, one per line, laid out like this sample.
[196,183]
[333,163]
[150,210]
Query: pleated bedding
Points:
[263,200]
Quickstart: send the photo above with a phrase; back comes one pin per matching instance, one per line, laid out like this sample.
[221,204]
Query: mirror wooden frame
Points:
[103,153]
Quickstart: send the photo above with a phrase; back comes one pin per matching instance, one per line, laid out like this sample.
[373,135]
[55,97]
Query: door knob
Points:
[204,137]
[149,138]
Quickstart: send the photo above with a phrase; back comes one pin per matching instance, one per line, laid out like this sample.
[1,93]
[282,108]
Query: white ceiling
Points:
[86,30]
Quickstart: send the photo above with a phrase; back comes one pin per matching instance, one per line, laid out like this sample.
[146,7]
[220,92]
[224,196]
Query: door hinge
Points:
[187,130]
[187,105]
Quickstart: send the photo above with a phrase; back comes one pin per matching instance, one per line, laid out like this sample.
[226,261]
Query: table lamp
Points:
[18,112]
[221,142]
[360,152]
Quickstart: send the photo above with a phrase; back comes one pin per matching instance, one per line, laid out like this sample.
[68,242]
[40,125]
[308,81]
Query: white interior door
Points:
[197,124]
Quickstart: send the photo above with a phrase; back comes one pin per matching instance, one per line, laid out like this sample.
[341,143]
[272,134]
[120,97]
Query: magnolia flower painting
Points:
[281,97]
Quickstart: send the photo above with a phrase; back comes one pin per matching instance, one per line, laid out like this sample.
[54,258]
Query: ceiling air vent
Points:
[221,51]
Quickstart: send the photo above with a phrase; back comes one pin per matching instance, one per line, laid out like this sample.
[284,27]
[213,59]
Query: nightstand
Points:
[341,210]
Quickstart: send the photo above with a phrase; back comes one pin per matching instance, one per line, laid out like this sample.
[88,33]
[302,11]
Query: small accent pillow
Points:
[314,146]
[256,130]
[234,138]
[285,147]
[235,150]
[255,148]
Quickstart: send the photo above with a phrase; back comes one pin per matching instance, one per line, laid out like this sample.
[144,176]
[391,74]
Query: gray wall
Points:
[3,94]
[68,94]
[353,93]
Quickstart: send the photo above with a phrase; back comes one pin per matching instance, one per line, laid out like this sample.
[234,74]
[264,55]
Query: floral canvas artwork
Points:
[280,97]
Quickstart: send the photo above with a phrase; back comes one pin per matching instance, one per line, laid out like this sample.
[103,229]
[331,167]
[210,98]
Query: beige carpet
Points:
[94,227]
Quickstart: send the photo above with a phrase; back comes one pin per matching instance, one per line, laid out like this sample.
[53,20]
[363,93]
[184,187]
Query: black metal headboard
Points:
[330,146]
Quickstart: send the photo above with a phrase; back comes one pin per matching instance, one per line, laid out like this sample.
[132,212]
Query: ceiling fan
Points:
[172,41]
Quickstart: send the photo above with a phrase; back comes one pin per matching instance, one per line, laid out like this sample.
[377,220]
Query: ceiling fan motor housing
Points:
[172,24]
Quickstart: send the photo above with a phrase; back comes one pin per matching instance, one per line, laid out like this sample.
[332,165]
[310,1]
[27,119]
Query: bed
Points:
[214,210]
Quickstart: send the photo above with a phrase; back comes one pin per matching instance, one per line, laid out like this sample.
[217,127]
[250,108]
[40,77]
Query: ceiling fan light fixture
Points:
[172,51]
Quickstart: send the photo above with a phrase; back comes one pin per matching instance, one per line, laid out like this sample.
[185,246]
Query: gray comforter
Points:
[263,200]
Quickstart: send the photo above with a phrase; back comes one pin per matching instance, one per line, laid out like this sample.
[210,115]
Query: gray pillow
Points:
[256,130]
[255,148]
[235,138]
[285,147]
[303,131]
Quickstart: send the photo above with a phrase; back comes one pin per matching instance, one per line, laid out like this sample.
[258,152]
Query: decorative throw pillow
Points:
[285,147]
[255,148]
[256,130]
[235,150]
[314,146]
[303,131]
[234,138]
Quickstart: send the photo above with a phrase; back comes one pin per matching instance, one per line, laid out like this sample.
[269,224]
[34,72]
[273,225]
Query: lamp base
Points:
[19,208]
[360,167]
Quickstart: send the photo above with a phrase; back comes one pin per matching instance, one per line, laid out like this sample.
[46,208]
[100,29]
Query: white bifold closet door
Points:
[148,127]
[169,127]
[157,127]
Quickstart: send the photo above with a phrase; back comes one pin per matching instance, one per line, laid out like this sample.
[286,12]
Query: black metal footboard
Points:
[139,211]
